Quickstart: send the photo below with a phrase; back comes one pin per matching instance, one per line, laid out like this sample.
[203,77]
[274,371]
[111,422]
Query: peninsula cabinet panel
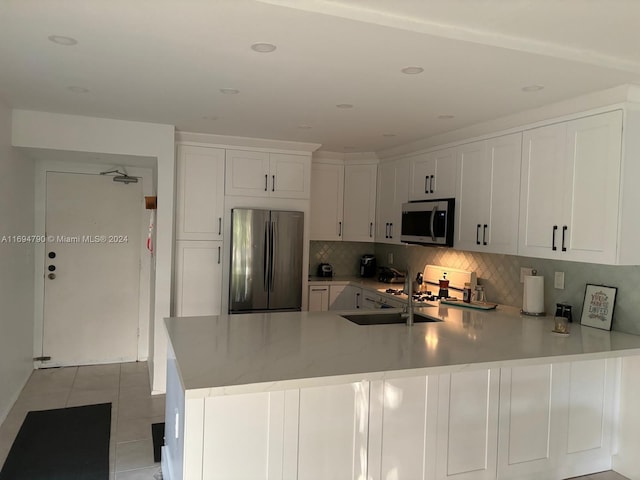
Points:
[333,430]
[243,437]
[468,425]
[532,412]
[402,428]
[200,193]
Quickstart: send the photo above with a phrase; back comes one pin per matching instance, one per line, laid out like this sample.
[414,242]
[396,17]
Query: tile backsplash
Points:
[500,274]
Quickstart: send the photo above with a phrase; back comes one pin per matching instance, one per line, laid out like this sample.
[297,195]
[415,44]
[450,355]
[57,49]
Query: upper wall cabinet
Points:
[343,200]
[433,175]
[200,193]
[262,174]
[570,189]
[488,195]
[393,191]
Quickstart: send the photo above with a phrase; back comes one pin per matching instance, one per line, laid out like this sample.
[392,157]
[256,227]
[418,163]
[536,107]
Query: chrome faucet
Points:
[408,309]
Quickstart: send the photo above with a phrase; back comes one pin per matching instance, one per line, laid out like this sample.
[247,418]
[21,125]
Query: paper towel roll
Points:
[533,300]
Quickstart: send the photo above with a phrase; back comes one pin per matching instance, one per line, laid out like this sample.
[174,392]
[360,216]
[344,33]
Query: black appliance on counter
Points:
[325,270]
[390,275]
[368,266]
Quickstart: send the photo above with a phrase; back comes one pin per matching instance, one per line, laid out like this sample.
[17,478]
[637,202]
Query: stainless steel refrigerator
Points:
[266,260]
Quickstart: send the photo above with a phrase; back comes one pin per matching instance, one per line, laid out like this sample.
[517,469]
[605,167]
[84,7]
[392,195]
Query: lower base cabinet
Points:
[198,278]
[318,298]
[548,421]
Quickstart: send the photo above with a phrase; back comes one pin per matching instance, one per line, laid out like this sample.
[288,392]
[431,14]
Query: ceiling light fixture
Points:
[263,47]
[77,89]
[412,70]
[446,117]
[532,88]
[344,106]
[61,40]
[229,91]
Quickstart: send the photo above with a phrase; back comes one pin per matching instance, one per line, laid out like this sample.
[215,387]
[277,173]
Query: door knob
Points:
[51,276]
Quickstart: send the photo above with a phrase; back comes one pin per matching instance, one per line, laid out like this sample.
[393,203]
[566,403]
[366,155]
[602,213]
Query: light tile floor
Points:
[134,409]
[126,386]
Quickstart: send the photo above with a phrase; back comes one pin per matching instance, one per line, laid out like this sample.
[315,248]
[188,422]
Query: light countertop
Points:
[229,354]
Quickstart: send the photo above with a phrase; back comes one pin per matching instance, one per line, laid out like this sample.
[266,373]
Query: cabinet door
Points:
[543,192]
[318,299]
[200,193]
[504,156]
[333,431]
[385,200]
[247,173]
[593,169]
[468,425]
[423,171]
[473,196]
[344,297]
[359,202]
[446,175]
[198,278]
[290,175]
[327,187]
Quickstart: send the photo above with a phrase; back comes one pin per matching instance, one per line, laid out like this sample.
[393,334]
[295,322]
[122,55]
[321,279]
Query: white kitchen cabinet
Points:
[327,190]
[200,193]
[264,174]
[488,195]
[345,297]
[570,188]
[343,201]
[359,202]
[198,278]
[468,425]
[392,192]
[333,429]
[434,175]
[318,298]
[402,428]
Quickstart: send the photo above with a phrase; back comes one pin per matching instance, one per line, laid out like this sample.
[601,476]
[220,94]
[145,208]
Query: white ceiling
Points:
[165,61]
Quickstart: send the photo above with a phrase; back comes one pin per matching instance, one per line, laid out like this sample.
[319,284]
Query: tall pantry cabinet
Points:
[199,230]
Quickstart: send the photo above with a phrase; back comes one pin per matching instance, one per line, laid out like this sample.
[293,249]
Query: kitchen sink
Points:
[386,318]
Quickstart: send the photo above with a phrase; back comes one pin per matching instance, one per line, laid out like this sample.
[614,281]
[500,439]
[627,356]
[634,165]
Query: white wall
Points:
[16,267]
[88,134]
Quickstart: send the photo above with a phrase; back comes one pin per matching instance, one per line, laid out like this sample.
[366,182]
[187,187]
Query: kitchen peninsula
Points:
[478,395]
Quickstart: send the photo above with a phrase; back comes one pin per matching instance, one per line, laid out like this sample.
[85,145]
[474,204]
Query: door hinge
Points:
[41,359]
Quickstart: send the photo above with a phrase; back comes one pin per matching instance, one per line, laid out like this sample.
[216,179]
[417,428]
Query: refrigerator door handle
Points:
[265,257]
[272,259]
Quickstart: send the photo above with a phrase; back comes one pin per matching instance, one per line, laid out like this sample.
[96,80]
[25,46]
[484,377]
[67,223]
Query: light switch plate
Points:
[524,271]
[558,281]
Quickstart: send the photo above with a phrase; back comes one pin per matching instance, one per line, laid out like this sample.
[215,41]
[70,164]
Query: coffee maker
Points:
[368,266]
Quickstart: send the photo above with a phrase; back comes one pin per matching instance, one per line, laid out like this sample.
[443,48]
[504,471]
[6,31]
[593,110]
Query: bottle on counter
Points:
[466,293]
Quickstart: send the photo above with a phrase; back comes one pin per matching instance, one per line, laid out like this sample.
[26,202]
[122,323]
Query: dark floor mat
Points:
[157,431]
[62,444]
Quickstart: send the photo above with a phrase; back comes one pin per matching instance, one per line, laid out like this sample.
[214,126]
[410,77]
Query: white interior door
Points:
[92,268]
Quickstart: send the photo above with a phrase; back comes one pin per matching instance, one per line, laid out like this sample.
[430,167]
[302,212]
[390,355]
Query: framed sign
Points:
[599,301]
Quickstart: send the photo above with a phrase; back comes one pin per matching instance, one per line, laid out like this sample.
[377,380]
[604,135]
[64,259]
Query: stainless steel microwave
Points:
[428,222]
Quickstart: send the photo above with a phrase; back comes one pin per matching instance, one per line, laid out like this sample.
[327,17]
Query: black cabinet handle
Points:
[371,229]
[357,300]
[433,178]
[553,238]
[386,230]
[273,183]
[219,251]
[564,230]
[484,234]
[219,226]
[339,229]
[266,180]
[478,234]
[391,230]
[426,188]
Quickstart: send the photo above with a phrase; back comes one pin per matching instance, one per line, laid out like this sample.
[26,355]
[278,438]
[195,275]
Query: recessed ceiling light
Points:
[229,91]
[77,89]
[263,47]
[532,88]
[344,105]
[412,70]
[304,127]
[61,40]
[388,134]
[446,117]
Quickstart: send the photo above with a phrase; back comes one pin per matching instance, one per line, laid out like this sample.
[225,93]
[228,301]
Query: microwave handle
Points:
[433,218]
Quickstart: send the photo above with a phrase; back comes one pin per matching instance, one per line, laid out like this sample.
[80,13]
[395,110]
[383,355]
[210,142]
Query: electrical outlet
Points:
[558,281]
[524,271]
[390,258]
